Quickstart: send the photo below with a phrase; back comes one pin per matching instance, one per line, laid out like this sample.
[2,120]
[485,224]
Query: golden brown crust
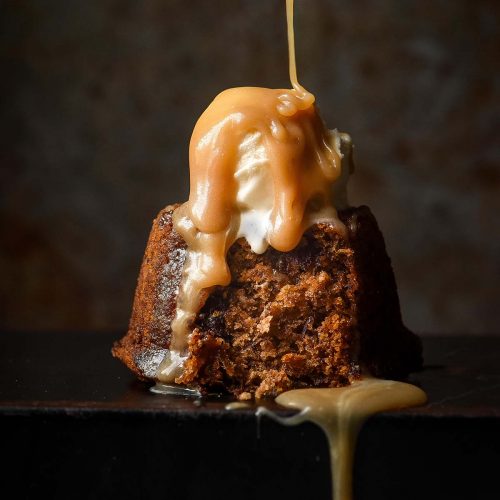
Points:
[302,318]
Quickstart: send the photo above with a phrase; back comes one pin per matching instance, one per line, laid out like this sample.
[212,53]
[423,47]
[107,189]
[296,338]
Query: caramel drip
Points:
[303,162]
[292,65]
[341,412]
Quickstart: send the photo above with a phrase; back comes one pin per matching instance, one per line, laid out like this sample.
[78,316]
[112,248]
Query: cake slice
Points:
[318,315]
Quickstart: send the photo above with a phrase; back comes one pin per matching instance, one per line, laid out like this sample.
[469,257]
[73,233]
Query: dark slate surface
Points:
[75,423]
[75,372]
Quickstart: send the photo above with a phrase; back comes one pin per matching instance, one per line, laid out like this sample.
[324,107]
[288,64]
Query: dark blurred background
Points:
[99,97]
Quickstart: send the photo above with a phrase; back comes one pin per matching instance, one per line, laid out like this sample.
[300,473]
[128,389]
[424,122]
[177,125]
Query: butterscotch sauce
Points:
[262,167]
[341,412]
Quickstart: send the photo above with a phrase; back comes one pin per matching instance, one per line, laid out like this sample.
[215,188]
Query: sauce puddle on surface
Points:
[238,405]
[341,412]
[173,390]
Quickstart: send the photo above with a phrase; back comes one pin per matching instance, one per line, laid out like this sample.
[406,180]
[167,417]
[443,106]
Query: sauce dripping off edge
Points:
[341,412]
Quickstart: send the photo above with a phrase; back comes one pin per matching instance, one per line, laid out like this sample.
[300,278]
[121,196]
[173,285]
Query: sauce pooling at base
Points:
[250,139]
[341,412]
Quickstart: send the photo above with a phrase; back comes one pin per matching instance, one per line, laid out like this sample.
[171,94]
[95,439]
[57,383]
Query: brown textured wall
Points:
[98,99]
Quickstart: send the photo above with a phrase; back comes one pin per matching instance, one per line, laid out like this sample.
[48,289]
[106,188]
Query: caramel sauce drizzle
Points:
[304,163]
